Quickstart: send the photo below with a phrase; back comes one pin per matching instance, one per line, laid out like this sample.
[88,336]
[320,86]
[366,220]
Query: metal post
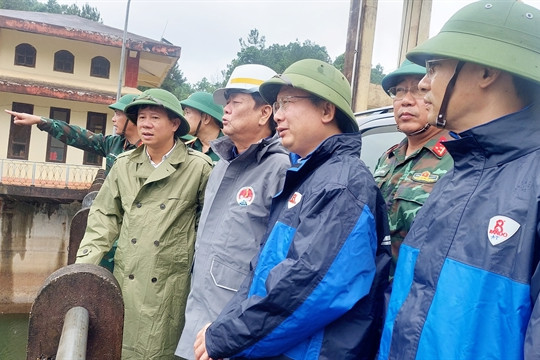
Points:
[123,54]
[74,335]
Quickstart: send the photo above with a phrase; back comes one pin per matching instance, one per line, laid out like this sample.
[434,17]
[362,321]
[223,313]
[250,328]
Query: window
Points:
[19,136]
[95,123]
[63,61]
[25,55]
[56,150]
[100,67]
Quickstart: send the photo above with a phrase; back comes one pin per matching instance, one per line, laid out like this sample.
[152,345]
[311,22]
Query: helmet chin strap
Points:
[198,127]
[419,131]
[125,127]
[440,122]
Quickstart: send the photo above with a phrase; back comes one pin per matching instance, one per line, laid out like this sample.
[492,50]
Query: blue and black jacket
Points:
[317,286]
[467,278]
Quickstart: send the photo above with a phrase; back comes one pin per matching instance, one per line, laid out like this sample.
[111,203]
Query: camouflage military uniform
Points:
[108,146]
[405,183]
[196,144]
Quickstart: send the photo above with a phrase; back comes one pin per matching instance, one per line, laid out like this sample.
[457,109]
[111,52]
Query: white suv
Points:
[379,133]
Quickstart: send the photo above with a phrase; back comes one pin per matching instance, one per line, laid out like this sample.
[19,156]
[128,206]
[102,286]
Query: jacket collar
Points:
[145,170]
[500,140]
[223,147]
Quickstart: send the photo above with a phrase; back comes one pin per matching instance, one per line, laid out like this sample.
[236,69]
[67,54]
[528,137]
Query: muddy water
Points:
[13,336]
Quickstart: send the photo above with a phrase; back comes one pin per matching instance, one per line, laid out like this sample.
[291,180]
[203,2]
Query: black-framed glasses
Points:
[399,92]
[284,101]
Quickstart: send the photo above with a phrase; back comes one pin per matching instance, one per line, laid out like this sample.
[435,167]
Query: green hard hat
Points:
[407,68]
[204,102]
[503,34]
[320,79]
[158,97]
[123,102]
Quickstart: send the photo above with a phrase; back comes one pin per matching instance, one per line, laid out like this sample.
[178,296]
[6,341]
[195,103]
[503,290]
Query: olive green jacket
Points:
[154,213]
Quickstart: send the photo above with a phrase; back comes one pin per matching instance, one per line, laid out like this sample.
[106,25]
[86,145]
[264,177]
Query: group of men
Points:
[282,244]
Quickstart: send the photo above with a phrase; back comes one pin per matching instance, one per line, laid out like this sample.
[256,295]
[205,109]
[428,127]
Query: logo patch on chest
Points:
[501,228]
[425,177]
[245,196]
[294,200]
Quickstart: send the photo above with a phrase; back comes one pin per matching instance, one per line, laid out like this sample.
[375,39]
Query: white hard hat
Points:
[244,78]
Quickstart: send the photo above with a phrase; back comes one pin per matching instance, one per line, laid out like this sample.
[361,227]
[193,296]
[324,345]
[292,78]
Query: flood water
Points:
[13,336]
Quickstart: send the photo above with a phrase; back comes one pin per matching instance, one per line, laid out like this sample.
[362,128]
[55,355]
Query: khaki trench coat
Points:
[154,213]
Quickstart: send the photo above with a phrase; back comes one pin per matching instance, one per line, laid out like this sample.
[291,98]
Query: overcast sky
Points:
[208,30]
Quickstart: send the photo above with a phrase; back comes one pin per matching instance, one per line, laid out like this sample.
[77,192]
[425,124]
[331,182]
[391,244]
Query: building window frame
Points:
[96,123]
[64,61]
[25,55]
[100,67]
[19,136]
[56,149]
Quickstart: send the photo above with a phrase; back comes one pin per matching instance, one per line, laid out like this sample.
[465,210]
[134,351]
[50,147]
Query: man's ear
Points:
[205,118]
[328,112]
[489,76]
[176,123]
[266,112]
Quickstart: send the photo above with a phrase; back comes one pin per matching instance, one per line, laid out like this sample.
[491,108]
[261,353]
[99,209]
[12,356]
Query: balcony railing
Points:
[47,175]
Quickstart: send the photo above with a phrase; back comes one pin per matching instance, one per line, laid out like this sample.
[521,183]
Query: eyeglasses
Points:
[284,101]
[398,92]
[431,65]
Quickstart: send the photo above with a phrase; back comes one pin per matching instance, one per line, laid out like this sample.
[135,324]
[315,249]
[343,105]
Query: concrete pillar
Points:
[414,25]
[359,50]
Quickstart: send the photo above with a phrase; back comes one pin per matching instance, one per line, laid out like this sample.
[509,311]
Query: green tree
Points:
[52,6]
[276,56]
[377,74]
[176,83]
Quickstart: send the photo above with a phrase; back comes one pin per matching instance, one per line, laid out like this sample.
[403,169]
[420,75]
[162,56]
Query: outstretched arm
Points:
[24,118]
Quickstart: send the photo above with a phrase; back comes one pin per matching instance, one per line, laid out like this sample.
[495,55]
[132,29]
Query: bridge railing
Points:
[45,174]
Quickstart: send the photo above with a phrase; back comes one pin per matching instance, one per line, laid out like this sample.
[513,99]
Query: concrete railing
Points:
[48,175]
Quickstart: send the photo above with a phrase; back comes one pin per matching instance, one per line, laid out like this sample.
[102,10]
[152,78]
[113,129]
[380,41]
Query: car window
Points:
[376,142]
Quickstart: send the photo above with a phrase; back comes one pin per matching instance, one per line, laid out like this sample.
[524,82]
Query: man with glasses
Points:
[407,172]
[316,288]
[468,277]
[237,204]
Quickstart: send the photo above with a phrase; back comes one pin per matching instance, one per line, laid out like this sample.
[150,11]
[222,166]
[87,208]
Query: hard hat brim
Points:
[511,58]
[270,89]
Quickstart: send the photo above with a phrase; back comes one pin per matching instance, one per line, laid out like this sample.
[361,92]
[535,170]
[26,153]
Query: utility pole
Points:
[359,50]
[414,25]
[123,54]
[361,37]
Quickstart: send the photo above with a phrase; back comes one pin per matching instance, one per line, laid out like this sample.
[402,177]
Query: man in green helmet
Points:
[151,201]
[407,172]
[108,146]
[308,294]
[468,275]
[205,123]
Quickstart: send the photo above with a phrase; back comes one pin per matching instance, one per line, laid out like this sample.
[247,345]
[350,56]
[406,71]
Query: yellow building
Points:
[67,68]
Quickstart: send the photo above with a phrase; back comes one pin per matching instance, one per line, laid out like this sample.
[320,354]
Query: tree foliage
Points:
[52,6]
[276,56]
